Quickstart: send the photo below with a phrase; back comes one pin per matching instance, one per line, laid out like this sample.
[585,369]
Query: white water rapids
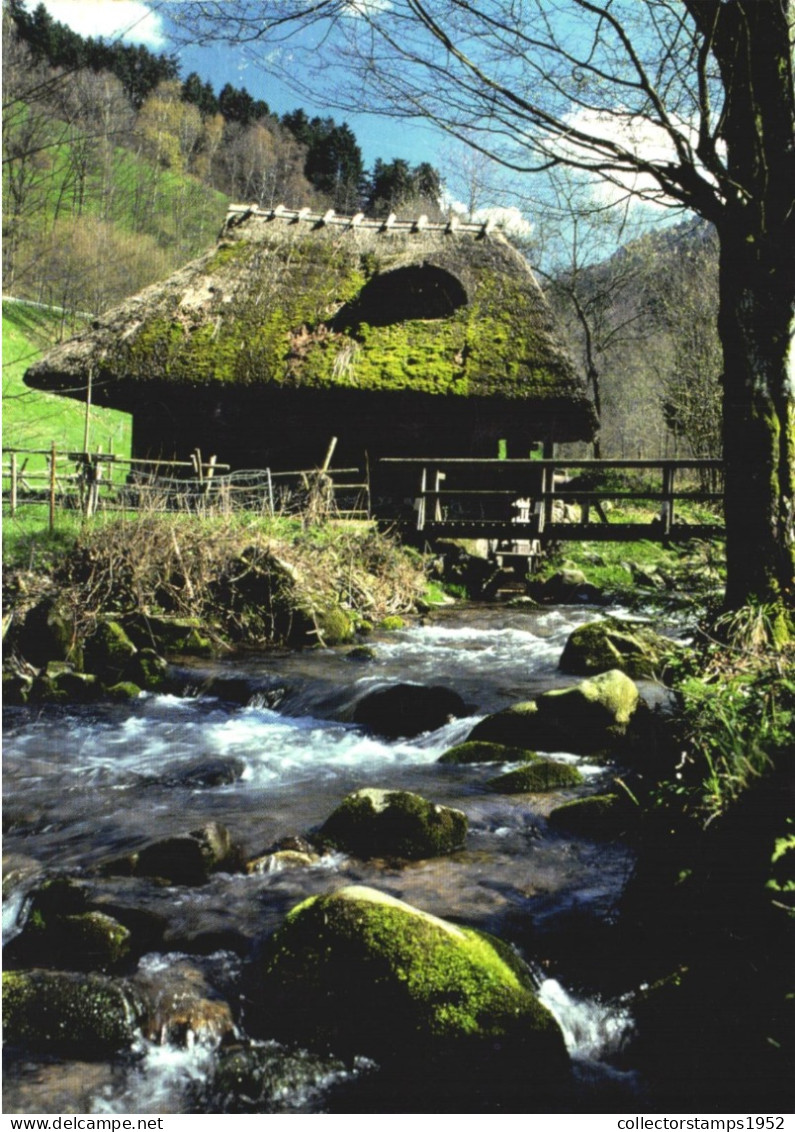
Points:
[83,784]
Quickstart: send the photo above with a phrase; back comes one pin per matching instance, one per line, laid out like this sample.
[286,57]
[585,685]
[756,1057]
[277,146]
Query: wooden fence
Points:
[92,482]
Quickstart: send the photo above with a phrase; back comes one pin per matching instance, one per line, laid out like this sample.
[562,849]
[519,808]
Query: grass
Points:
[647,574]
[738,705]
[32,419]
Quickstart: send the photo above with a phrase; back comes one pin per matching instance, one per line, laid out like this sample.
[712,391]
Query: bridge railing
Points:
[558,499]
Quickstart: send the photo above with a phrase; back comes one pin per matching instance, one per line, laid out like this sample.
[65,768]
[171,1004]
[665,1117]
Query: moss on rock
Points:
[538,777]
[394,823]
[519,726]
[187,858]
[123,691]
[480,751]
[49,633]
[591,716]
[613,644]
[600,815]
[61,931]
[73,1015]
[333,625]
[593,713]
[358,971]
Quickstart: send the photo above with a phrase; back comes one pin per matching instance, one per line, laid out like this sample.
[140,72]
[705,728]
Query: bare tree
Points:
[685,305]
[690,101]
[577,250]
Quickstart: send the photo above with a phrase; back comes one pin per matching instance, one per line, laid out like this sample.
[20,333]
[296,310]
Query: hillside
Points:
[34,420]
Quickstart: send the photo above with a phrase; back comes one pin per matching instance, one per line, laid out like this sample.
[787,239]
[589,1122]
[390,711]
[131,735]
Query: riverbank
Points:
[119,597]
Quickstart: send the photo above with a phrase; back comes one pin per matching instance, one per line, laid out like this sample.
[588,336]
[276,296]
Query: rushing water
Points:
[84,784]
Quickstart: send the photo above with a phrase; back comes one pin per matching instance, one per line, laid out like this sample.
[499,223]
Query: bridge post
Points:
[438,479]
[548,482]
[421,500]
[541,506]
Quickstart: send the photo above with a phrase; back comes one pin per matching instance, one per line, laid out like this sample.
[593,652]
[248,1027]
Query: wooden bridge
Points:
[522,505]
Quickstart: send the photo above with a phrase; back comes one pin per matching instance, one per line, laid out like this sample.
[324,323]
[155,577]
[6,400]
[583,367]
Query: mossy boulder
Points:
[74,1015]
[332,626]
[392,624]
[519,726]
[598,816]
[49,633]
[480,751]
[394,823]
[148,669]
[45,690]
[631,647]
[17,687]
[187,636]
[407,709]
[566,586]
[538,777]
[75,687]
[593,714]
[108,651]
[87,941]
[123,691]
[588,717]
[63,931]
[187,858]
[358,971]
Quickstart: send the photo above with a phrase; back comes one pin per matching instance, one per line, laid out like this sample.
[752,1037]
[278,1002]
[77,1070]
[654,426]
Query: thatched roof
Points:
[296,300]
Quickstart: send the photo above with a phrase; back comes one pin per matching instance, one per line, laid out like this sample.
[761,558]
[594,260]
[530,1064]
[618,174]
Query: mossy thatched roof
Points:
[301,301]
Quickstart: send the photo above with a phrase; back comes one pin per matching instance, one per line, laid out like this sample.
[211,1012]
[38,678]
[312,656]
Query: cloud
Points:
[130,20]
[646,140]
[510,219]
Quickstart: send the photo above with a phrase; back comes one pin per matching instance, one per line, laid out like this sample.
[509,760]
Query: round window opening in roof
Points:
[403,295]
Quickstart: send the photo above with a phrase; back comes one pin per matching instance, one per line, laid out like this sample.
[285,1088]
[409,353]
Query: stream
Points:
[83,784]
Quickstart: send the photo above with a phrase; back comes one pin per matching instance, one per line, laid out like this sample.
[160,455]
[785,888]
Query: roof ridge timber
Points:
[359,220]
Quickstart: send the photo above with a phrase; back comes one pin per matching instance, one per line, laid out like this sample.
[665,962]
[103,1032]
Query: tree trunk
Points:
[757,297]
[757,320]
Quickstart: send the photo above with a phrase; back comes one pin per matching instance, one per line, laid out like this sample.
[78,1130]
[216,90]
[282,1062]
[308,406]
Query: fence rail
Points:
[89,482]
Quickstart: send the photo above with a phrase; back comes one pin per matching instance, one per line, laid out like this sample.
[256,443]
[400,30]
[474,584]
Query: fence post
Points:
[329,454]
[271,507]
[667,511]
[52,488]
[94,476]
[14,486]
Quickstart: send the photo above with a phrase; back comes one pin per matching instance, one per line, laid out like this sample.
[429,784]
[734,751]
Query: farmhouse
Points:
[401,338]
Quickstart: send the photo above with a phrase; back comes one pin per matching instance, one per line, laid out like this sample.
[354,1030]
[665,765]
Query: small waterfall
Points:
[162,1079]
[595,1032]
